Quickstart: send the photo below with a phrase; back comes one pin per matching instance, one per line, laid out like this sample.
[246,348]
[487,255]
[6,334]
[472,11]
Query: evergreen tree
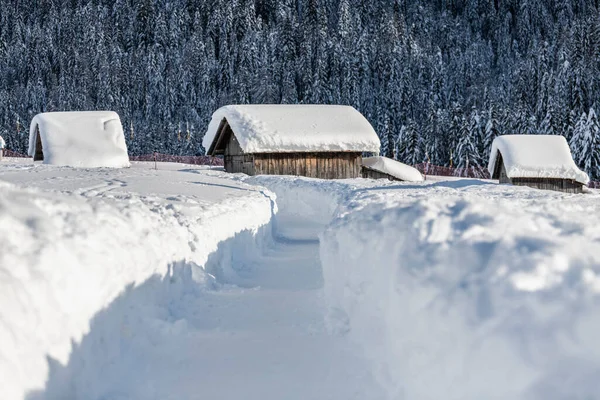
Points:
[585,144]
[408,65]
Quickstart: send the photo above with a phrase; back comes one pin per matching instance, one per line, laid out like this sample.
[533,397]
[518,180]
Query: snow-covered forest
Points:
[438,79]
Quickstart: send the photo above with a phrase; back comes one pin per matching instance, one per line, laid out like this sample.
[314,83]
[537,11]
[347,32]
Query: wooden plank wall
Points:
[237,164]
[314,165]
[331,165]
[503,176]
[39,151]
[372,174]
[560,185]
[235,160]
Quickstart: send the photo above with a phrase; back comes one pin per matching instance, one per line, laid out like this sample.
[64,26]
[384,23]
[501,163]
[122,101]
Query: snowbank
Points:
[468,293]
[80,139]
[66,257]
[536,156]
[305,206]
[295,128]
[394,168]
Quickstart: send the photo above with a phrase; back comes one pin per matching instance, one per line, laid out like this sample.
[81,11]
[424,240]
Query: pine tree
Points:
[409,145]
[585,144]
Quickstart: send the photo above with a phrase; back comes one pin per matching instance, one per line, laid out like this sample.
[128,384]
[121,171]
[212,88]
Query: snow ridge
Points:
[468,293]
[65,257]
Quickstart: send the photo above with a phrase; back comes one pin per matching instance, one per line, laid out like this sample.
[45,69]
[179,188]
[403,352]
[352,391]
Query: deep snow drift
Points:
[65,256]
[394,168]
[188,283]
[161,284]
[469,290]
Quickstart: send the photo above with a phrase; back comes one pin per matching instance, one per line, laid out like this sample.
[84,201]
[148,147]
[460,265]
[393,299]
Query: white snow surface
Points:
[394,168]
[189,283]
[160,284]
[295,128]
[536,156]
[467,290]
[84,139]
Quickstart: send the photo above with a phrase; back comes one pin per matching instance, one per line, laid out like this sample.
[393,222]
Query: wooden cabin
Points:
[537,161]
[85,139]
[386,168]
[325,142]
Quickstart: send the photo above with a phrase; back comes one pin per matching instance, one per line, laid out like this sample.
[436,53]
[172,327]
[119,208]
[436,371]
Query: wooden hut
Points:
[538,161]
[86,139]
[386,168]
[316,141]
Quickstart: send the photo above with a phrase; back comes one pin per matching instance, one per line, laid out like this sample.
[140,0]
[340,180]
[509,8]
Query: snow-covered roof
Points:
[293,128]
[85,139]
[535,156]
[394,168]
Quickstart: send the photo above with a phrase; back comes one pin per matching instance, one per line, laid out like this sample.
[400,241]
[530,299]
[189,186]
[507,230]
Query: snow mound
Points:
[535,156]
[465,294]
[88,139]
[66,257]
[295,128]
[305,205]
[394,168]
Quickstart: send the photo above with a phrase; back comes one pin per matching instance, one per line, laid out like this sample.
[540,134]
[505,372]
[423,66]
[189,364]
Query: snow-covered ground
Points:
[157,284]
[469,290]
[188,283]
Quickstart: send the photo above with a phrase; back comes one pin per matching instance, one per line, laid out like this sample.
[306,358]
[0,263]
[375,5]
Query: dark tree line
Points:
[438,79]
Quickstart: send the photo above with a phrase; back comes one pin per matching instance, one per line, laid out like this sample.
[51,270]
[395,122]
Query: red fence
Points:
[10,153]
[471,172]
[594,185]
[195,160]
[424,168]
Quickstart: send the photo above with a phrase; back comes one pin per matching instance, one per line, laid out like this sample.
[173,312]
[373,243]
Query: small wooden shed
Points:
[386,168]
[538,161]
[86,139]
[318,141]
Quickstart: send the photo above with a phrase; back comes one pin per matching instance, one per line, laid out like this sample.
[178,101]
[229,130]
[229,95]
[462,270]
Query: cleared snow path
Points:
[187,283]
[254,329]
[170,339]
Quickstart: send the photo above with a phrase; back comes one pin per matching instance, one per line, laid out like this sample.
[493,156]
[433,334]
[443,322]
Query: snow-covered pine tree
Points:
[409,145]
[585,144]
[468,148]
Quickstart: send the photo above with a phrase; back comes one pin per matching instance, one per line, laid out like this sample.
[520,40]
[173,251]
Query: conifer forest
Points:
[437,79]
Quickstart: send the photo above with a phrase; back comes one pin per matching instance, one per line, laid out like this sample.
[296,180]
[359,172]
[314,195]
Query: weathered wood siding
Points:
[39,152]
[330,165]
[314,165]
[372,174]
[503,177]
[560,185]
[235,160]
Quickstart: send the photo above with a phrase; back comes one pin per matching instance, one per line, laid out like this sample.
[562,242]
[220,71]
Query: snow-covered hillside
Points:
[189,283]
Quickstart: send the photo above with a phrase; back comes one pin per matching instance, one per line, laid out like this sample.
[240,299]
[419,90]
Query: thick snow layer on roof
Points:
[295,128]
[536,156]
[80,139]
[394,168]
